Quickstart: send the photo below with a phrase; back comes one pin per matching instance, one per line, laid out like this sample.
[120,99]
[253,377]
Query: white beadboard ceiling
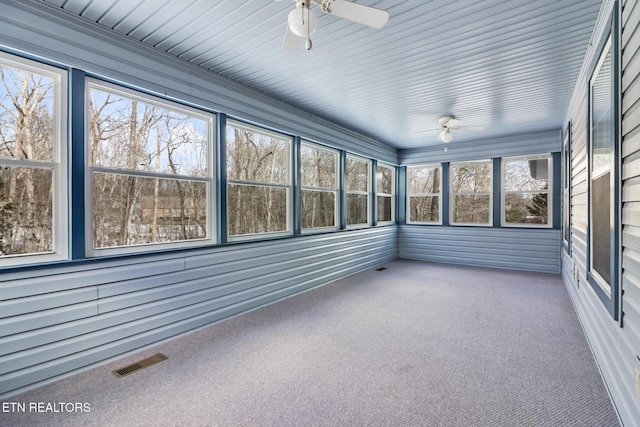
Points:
[507,65]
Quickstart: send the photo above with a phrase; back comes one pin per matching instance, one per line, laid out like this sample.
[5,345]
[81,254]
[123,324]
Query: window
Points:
[358,186]
[601,160]
[604,157]
[566,188]
[258,182]
[385,193]
[319,187]
[471,184]
[424,187]
[33,183]
[150,172]
[526,197]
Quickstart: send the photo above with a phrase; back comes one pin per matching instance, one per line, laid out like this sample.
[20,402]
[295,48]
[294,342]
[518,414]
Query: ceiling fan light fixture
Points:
[445,136]
[302,20]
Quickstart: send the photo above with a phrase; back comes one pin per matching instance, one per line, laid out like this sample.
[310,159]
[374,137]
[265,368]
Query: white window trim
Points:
[391,195]
[335,190]
[210,239]
[548,191]
[58,164]
[365,193]
[289,187]
[480,193]
[439,195]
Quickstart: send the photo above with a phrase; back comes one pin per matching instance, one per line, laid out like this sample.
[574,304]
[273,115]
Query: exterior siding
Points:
[56,321]
[616,345]
[521,249]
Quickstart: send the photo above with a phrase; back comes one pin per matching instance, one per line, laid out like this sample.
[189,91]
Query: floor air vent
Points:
[141,364]
[381,269]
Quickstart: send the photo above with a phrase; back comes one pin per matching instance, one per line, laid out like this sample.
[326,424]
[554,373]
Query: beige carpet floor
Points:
[418,344]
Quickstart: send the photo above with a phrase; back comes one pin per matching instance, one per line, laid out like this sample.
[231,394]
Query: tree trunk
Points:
[156,189]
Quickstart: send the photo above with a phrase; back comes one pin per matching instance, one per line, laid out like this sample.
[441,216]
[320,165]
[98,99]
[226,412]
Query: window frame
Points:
[209,179]
[567,181]
[288,187]
[439,194]
[58,164]
[366,193]
[548,191]
[608,293]
[452,194]
[391,196]
[335,190]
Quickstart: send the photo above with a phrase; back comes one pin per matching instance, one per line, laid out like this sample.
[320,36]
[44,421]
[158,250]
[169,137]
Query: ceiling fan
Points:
[302,20]
[448,124]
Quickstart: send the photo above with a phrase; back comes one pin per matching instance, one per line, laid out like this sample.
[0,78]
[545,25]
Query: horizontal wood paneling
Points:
[143,307]
[30,321]
[14,307]
[522,249]
[506,65]
[24,284]
[52,34]
[516,145]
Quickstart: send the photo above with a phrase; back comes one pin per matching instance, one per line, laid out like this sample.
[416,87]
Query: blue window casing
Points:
[446,186]
[609,292]
[76,162]
[556,190]
[401,190]
[221,178]
[343,192]
[497,192]
[566,188]
[373,199]
[296,196]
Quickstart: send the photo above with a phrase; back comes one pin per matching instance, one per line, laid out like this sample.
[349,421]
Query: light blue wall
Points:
[616,344]
[520,249]
[517,248]
[54,321]
[515,145]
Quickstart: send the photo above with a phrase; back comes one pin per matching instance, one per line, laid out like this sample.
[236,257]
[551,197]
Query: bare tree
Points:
[142,206]
[471,182]
[255,163]
[26,133]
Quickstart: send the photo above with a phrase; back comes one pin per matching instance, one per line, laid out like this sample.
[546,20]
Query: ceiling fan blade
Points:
[454,123]
[359,13]
[418,132]
[291,42]
[471,128]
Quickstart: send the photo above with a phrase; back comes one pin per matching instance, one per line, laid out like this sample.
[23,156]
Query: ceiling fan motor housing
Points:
[444,120]
[302,20]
